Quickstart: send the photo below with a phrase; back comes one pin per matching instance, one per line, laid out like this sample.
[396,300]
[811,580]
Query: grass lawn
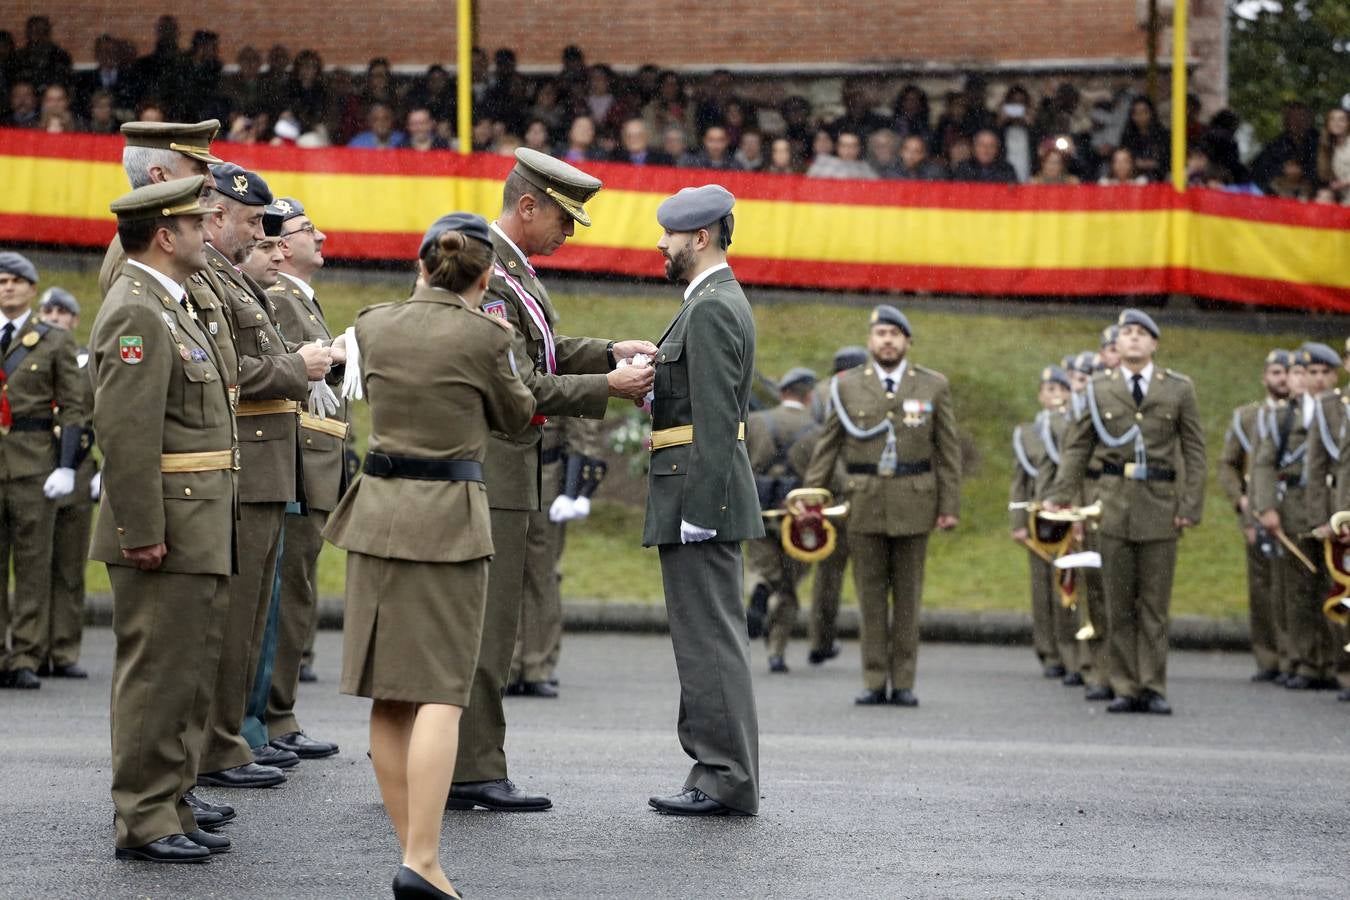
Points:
[993,363]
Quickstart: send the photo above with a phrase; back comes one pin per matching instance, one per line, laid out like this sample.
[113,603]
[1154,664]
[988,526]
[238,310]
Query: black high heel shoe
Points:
[408,885]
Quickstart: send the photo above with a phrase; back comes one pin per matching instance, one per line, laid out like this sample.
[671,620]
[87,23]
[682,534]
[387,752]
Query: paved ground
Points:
[1000,785]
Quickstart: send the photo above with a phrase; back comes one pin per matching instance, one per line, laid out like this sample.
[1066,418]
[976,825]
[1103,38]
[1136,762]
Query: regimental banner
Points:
[790,231]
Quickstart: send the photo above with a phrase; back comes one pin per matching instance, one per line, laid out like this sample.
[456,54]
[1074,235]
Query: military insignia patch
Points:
[184,353]
[496,308]
[241,185]
[212,327]
[198,355]
[284,206]
[82,358]
[171,322]
[131,347]
[30,339]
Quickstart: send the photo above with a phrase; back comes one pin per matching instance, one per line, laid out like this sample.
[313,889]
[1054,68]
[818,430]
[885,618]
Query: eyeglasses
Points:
[308,226]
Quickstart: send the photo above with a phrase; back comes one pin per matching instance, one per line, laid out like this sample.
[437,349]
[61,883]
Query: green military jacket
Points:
[439,377]
[705,366]
[1244,435]
[566,375]
[1278,476]
[924,423]
[269,444]
[113,260]
[40,372]
[1324,452]
[770,435]
[300,318]
[159,389]
[1169,422]
[1036,454]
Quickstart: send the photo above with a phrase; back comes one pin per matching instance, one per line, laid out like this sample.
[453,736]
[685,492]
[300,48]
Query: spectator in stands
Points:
[750,151]
[882,152]
[7,50]
[483,135]
[978,115]
[1054,168]
[958,153]
[201,78]
[1107,122]
[1122,170]
[599,93]
[506,145]
[537,136]
[345,117]
[669,107]
[574,73]
[243,88]
[548,108]
[915,163]
[911,113]
[40,61]
[1220,143]
[379,86]
[736,118]
[107,75]
[858,118]
[675,142]
[276,79]
[103,118]
[1013,121]
[580,145]
[1333,153]
[635,146]
[435,92]
[156,75]
[1147,140]
[797,127]
[845,162]
[23,106]
[246,129]
[496,97]
[783,158]
[307,90]
[951,124]
[606,142]
[421,130]
[1292,183]
[480,70]
[822,143]
[149,111]
[54,115]
[717,93]
[715,152]
[1325,195]
[380,133]
[987,164]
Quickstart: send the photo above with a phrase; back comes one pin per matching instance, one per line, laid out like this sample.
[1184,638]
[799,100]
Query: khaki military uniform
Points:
[1244,435]
[40,372]
[1329,426]
[700,473]
[1138,528]
[300,317]
[438,377]
[770,435]
[828,583]
[164,420]
[567,377]
[891,516]
[272,381]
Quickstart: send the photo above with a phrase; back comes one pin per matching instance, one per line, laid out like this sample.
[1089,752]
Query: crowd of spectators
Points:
[590,113]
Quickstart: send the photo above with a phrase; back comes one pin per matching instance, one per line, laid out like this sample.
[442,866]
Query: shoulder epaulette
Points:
[1175,374]
[933,373]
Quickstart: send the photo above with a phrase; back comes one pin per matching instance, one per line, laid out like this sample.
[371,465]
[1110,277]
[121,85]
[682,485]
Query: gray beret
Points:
[1321,353]
[59,298]
[1279,358]
[468,224]
[272,219]
[1140,318]
[1085,362]
[1109,335]
[848,358]
[1299,357]
[1057,375]
[18,264]
[697,207]
[798,375]
[289,207]
[885,314]
[242,185]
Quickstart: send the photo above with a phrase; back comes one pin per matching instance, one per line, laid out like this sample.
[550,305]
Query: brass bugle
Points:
[838,511]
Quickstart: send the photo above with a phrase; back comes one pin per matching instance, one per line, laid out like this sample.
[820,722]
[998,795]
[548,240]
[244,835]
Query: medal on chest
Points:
[915,412]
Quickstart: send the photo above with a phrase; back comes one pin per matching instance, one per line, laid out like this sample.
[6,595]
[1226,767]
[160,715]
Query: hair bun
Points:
[451,242]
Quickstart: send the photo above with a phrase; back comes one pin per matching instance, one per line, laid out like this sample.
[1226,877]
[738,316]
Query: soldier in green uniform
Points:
[770,435]
[1036,453]
[1108,354]
[1245,433]
[542,201]
[166,528]
[1341,501]
[74,515]
[38,374]
[1142,441]
[893,425]
[274,378]
[701,503]
[323,435]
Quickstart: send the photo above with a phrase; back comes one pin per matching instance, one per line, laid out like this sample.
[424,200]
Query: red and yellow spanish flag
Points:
[790,231]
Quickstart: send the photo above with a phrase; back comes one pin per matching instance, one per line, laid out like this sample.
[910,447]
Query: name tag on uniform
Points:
[496,308]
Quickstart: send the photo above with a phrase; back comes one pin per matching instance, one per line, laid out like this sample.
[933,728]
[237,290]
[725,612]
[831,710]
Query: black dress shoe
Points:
[871,698]
[903,697]
[1344,696]
[553,682]
[1156,704]
[816,657]
[6,678]
[267,755]
[1099,692]
[251,775]
[176,848]
[538,689]
[208,815]
[74,670]
[24,679]
[408,885]
[499,796]
[691,802]
[1266,675]
[1281,679]
[777,664]
[1073,679]
[307,675]
[304,746]
[514,689]
[1054,671]
[1124,705]
[213,842]
[1298,683]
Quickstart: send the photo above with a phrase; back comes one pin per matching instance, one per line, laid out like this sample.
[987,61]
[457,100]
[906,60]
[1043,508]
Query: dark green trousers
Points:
[540,638]
[825,590]
[1261,609]
[1137,576]
[70,552]
[26,522]
[302,537]
[1044,597]
[888,576]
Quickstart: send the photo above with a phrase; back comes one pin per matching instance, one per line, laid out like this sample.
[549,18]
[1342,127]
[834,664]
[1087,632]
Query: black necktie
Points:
[1138,389]
[6,336]
[890,383]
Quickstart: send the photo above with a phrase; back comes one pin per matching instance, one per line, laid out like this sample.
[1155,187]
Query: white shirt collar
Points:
[791,404]
[1309,409]
[1144,382]
[176,290]
[702,277]
[303,286]
[20,321]
[898,374]
[510,243]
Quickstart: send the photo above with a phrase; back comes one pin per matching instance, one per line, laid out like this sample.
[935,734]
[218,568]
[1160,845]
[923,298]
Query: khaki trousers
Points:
[1261,609]
[888,577]
[250,594]
[1094,659]
[1300,601]
[770,566]
[168,628]
[1044,598]
[540,637]
[70,551]
[825,591]
[1137,576]
[298,615]
[27,519]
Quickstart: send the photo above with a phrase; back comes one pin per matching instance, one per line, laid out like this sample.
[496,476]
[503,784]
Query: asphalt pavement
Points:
[1002,784]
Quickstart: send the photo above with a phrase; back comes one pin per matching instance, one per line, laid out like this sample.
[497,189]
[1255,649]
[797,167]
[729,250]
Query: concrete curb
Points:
[952,626]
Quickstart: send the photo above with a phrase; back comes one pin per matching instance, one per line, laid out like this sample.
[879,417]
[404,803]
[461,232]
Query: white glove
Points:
[322,401]
[561,510]
[351,379]
[692,534]
[60,483]
[96,486]
[581,507]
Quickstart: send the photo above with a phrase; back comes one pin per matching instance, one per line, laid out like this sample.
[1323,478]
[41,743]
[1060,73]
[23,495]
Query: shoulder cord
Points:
[1047,436]
[886,465]
[1236,429]
[1021,453]
[1110,440]
[1333,450]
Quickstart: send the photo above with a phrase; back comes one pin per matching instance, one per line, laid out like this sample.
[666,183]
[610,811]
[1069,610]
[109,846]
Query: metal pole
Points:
[464,72]
[1179,17]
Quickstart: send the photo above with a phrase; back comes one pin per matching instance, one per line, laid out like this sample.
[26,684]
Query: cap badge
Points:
[241,185]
